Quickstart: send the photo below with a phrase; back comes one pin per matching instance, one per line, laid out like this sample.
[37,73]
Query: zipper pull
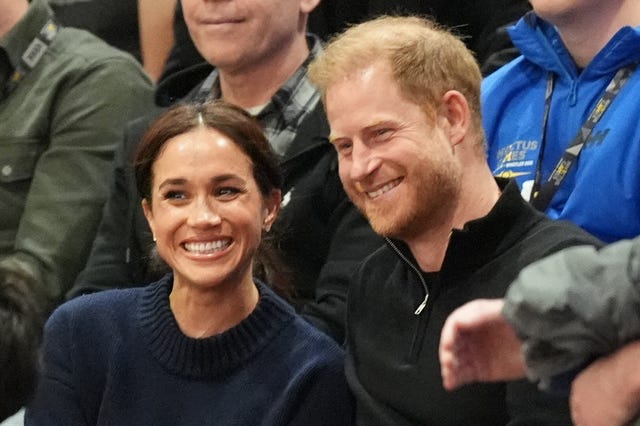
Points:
[422,305]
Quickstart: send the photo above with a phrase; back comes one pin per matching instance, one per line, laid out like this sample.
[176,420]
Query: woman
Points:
[207,344]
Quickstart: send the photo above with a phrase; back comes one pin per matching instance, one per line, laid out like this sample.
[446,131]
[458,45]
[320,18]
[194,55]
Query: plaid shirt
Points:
[288,107]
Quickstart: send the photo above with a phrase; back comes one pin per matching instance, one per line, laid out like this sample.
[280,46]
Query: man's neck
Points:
[11,13]
[478,195]
[585,34]
[255,85]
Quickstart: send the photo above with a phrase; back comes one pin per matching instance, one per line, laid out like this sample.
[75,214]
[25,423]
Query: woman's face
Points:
[206,211]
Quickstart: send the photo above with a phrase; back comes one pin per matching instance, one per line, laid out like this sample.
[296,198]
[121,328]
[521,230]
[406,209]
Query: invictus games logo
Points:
[509,174]
[517,154]
[517,161]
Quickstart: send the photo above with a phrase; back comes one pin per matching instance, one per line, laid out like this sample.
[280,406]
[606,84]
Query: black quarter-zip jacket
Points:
[396,312]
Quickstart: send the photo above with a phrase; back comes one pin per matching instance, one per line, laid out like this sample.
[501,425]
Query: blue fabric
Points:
[602,191]
[118,357]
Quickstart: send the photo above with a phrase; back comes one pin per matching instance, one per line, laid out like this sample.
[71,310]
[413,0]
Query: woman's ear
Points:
[148,213]
[454,109]
[306,6]
[271,209]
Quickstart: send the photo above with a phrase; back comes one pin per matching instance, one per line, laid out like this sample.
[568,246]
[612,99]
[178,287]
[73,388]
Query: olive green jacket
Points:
[58,131]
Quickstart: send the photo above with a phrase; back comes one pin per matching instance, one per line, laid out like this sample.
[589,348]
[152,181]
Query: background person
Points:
[538,111]
[206,343]
[64,98]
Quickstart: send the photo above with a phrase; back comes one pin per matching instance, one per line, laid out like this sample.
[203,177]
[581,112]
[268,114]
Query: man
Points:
[260,52]
[402,99]
[560,315]
[553,123]
[64,99]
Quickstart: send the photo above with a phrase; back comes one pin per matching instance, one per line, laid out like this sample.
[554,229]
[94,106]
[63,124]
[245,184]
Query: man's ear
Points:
[306,6]
[455,114]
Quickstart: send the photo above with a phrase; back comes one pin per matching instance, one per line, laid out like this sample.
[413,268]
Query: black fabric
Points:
[481,24]
[114,21]
[392,362]
[183,54]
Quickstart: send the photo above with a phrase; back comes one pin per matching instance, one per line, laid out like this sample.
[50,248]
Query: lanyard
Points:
[543,193]
[32,55]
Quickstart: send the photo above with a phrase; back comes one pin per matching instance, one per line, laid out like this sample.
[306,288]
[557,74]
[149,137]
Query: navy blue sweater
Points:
[118,357]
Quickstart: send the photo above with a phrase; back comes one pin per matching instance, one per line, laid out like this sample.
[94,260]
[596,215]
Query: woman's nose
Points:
[202,213]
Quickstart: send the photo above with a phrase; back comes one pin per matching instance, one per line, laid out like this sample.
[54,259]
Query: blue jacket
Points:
[602,191]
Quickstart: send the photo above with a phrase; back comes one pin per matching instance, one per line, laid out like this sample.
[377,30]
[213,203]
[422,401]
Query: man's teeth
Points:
[206,248]
[384,189]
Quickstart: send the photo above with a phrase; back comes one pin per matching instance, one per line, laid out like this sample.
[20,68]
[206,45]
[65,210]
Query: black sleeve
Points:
[353,240]
[110,261]
[493,45]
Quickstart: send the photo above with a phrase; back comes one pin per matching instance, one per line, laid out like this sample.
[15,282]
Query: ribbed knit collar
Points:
[214,356]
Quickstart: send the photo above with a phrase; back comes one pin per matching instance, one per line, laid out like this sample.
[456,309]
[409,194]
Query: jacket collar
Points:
[181,84]
[540,43]
[483,239]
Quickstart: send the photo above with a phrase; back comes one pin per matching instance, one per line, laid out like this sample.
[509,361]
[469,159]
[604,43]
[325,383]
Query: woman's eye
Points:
[175,195]
[227,192]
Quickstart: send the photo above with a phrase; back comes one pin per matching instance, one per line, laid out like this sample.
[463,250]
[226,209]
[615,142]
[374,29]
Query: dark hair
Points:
[21,323]
[233,122]
[246,133]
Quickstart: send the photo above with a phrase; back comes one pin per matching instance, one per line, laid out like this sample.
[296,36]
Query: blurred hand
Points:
[477,344]
[607,393]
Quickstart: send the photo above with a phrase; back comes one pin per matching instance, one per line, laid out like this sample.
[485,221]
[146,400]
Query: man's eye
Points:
[344,148]
[382,134]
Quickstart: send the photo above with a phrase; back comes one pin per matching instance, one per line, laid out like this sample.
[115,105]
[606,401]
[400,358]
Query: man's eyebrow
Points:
[379,123]
[333,138]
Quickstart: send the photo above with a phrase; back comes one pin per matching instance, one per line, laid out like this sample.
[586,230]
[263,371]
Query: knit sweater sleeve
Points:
[56,401]
[322,397]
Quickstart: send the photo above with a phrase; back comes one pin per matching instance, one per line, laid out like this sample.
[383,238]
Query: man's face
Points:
[395,165]
[237,34]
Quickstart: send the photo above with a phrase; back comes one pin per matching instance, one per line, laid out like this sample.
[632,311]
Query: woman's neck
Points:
[205,312]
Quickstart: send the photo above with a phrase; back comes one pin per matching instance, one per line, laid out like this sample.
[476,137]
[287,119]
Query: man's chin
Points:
[382,225]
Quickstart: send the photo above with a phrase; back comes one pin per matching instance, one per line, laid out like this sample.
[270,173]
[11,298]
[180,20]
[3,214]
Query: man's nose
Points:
[363,162]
